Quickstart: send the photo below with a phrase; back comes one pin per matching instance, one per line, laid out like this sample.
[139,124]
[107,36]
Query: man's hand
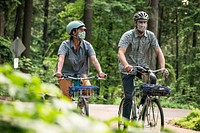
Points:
[128,68]
[165,72]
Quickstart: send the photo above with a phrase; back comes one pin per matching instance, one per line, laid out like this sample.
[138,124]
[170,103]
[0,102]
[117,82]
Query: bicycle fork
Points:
[134,114]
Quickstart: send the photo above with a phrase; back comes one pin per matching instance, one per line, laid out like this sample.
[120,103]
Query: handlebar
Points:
[146,70]
[80,78]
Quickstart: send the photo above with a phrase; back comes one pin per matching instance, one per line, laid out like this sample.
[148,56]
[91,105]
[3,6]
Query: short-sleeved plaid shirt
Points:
[76,62]
[137,47]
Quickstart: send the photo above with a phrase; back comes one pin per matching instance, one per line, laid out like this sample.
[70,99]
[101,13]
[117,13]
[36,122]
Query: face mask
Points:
[142,27]
[81,35]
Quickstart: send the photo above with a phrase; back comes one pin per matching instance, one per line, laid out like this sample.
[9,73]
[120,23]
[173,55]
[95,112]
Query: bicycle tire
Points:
[83,106]
[121,125]
[153,116]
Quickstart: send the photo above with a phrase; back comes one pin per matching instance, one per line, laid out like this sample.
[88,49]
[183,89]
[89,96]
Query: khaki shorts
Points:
[64,86]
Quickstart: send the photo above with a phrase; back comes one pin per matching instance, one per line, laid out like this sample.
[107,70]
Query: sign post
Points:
[17,48]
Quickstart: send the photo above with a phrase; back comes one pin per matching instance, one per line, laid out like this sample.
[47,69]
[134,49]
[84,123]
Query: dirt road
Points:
[106,112]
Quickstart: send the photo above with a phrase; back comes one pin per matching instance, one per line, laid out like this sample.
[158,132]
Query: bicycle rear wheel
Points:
[83,106]
[120,115]
[153,116]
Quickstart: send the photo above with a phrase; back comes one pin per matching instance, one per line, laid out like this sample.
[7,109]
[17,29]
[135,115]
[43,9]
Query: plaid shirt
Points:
[137,47]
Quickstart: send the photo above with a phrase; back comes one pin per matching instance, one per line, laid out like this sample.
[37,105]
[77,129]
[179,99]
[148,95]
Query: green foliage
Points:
[111,18]
[37,115]
[28,113]
[191,121]
[5,55]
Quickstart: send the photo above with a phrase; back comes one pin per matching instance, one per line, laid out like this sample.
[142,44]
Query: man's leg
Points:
[127,81]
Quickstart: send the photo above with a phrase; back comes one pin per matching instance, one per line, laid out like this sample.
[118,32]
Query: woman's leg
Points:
[64,86]
[86,92]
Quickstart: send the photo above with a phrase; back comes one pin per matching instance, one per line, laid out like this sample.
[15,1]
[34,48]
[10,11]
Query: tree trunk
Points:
[153,26]
[2,25]
[195,37]
[161,14]
[153,22]
[177,47]
[45,28]
[27,31]
[27,27]
[2,22]
[88,12]
[18,19]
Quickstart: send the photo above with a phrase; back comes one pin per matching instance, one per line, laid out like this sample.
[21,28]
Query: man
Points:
[73,56]
[133,51]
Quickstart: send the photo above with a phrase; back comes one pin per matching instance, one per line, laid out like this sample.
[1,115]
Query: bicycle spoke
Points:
[153,118]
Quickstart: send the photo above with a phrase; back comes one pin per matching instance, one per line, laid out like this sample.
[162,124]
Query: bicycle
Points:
[151,113]
[82,101]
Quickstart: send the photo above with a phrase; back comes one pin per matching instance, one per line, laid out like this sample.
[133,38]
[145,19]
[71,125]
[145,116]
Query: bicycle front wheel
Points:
[153,116]
[83,106]
[121,125]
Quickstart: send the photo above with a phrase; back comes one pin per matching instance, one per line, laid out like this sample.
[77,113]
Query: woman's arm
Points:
[96,64]
[61,59]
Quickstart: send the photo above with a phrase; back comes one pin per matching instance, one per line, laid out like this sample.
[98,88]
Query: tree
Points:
[27,26]
[153,26]
[45,29]
[88,18]
[18,19]
[27,30]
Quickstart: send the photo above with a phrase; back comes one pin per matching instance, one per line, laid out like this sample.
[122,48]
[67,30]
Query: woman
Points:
[73,56]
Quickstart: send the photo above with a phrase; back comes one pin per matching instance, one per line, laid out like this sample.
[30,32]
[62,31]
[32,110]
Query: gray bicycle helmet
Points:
[74,25]
[141,15]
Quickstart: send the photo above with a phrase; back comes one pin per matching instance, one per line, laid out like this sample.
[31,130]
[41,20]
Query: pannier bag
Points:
[155,90]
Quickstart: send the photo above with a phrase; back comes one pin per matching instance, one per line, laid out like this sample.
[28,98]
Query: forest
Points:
[41,26]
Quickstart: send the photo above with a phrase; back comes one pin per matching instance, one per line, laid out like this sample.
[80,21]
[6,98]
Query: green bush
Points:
[191,121]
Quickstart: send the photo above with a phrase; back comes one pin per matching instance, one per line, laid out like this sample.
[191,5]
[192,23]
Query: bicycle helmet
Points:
[141,15]
[74,25]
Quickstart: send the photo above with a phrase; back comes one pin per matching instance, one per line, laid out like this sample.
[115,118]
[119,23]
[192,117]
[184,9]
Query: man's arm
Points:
[123,60]
[161,57]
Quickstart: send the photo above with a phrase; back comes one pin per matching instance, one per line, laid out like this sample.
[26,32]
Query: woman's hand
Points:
[101,74]
[58,74]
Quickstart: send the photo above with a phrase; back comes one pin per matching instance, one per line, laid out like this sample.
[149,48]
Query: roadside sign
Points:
[17,48]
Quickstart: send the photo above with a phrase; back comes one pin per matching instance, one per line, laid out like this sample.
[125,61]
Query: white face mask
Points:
[81,35]
[142,26]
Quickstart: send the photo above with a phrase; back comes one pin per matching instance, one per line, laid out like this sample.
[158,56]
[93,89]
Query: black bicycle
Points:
[151,112]
[80,93]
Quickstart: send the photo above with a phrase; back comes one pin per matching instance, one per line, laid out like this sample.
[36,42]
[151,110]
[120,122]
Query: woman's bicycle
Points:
[150,111]
[80,93]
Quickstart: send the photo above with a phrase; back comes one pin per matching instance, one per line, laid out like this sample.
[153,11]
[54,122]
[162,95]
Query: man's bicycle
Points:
[80,93]
[150,112]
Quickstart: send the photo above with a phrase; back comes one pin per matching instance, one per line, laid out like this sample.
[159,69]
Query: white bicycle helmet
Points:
[141,15]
